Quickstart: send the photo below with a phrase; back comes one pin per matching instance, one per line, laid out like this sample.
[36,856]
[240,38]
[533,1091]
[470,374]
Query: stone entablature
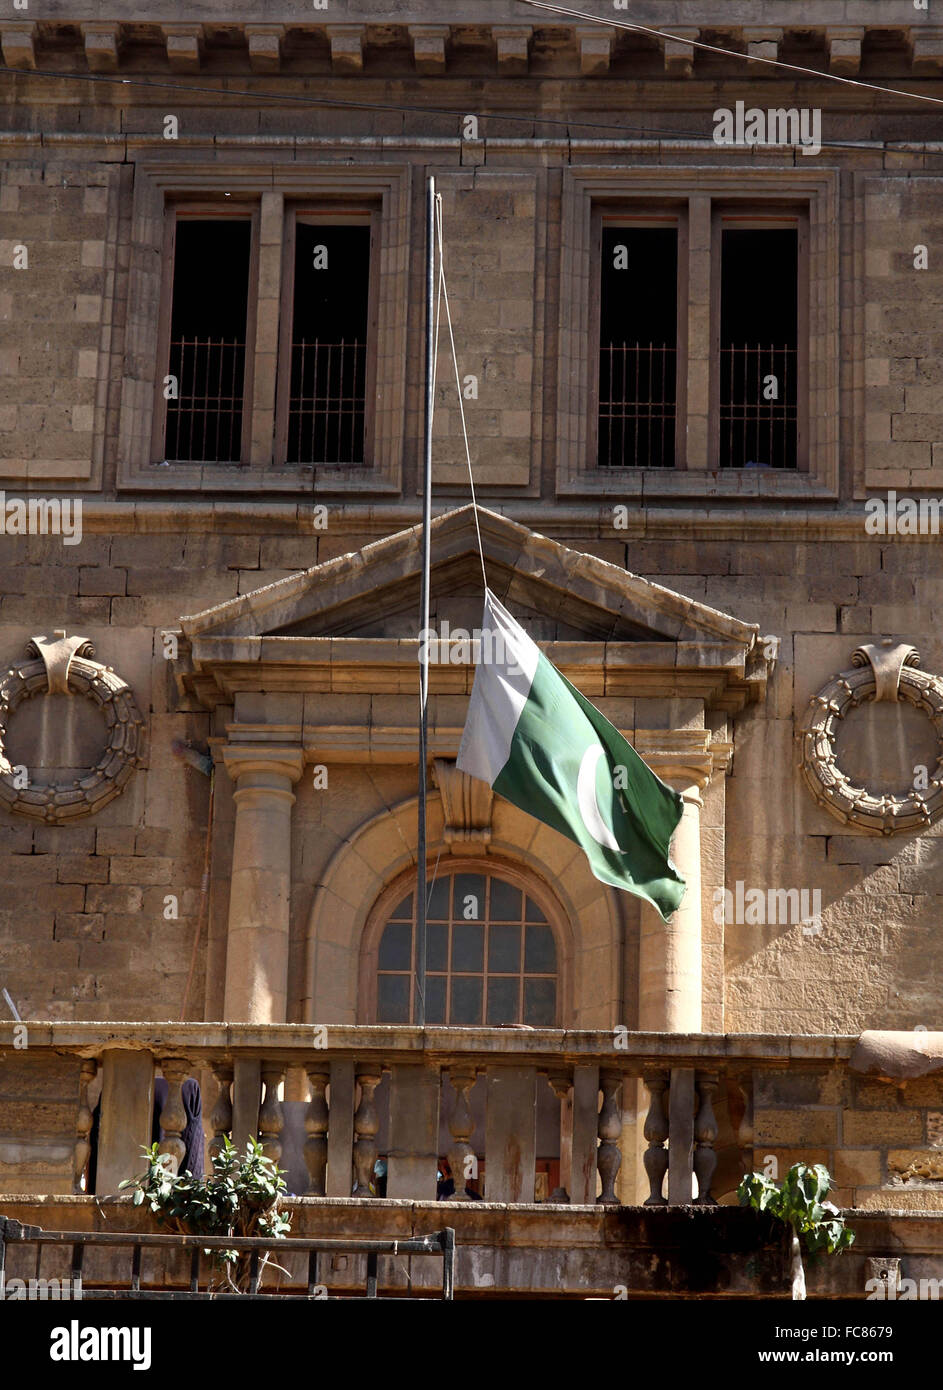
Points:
[343,40]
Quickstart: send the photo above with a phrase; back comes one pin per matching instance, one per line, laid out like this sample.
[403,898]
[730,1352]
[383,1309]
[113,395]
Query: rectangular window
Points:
[698,332]
[205,337]
[638,336]
[759,368]
[326,359]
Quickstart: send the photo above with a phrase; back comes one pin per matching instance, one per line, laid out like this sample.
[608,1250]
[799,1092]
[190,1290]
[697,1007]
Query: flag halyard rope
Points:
[444,297]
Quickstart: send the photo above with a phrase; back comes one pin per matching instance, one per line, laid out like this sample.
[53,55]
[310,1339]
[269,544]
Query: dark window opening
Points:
[207,361]
[759,348]
[638,341]
[330,311]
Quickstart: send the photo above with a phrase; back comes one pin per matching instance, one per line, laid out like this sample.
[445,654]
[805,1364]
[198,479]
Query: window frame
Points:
[206,210]
[743,181]
[749,219]
[611,214]
[278,179]
[331,214]
[404,883]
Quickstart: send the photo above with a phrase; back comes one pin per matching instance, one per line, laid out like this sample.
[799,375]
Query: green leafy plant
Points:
[239,1198]
[801,1204]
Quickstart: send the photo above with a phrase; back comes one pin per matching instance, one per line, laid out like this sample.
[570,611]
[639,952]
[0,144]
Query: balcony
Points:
[584,1163]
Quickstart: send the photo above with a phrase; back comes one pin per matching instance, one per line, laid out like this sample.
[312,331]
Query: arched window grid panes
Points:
[491,953]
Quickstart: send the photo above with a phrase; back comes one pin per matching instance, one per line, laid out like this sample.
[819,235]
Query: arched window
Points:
[491,953]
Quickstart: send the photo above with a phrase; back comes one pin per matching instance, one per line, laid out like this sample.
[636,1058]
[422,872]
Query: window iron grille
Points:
[756,432]
[204,419]
[327,403]
[637,405]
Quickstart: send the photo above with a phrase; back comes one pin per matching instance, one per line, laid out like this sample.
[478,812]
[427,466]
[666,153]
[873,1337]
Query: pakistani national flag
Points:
[540,744]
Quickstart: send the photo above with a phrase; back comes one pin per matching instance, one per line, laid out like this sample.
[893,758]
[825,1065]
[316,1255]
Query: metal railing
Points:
[637,405]
[15,1233]
[327,402]
[758,406]
[204,413]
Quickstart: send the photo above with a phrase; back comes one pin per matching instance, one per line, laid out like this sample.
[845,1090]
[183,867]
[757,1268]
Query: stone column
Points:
[260,891]
[670,952]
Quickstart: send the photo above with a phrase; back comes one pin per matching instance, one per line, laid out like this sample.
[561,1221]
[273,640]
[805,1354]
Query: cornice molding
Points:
[572,523]
[433,41]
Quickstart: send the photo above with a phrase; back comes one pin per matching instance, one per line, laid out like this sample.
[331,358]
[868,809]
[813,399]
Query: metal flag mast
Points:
[420,1010]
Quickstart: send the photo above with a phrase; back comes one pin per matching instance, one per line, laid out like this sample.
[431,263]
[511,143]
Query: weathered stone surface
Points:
[99,920]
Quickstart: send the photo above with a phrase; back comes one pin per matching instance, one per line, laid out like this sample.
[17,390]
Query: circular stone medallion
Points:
[876,813]
[66,664]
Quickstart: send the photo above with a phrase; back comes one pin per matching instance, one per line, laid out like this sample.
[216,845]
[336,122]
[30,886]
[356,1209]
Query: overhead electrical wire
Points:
[729,52]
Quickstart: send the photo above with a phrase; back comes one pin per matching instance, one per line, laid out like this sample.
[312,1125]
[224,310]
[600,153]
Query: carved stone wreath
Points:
[63,664]
[885,672]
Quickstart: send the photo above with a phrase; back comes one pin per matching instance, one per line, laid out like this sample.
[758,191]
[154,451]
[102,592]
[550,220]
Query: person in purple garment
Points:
[192,1134]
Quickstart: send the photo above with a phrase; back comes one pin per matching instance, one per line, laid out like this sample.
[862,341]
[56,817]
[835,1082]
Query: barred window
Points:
[694,351]
[326,364]
[759,367]
[205,352]
[638,344]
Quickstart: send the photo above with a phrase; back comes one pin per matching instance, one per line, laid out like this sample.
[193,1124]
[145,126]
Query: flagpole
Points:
[420,1009]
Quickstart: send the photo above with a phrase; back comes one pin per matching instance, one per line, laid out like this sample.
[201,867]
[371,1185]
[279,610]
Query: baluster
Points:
[560,1085]
[705,1132]
[316,1126]
[83,1123]
[366,1127]
[221,1118]
[609,1153]
[462,1159]
[271,1119]
[656,1132]
[173,1117]
[743,1091]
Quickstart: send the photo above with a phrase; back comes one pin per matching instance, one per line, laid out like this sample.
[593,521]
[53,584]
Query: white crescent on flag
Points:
[587,802]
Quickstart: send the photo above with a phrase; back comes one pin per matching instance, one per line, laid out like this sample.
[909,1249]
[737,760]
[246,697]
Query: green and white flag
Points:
[539,743]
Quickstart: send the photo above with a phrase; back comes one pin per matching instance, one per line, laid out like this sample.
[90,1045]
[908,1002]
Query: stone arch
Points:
[385,846]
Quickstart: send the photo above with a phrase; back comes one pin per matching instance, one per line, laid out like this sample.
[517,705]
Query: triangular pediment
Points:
[557,593]
[352,623]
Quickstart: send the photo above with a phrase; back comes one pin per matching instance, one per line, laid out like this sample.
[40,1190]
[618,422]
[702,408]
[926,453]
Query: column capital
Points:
[681,757]
[267,759]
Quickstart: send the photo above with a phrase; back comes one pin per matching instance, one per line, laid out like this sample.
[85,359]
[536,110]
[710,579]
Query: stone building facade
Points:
[256,599]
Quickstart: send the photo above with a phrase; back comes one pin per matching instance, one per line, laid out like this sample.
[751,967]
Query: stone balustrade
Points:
[520,1115]
[496,1102]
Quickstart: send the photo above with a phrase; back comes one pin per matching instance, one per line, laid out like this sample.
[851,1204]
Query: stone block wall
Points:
[83,925]
[495,313]
[877,955]
[880,1140]
[58,249]
[902,290]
